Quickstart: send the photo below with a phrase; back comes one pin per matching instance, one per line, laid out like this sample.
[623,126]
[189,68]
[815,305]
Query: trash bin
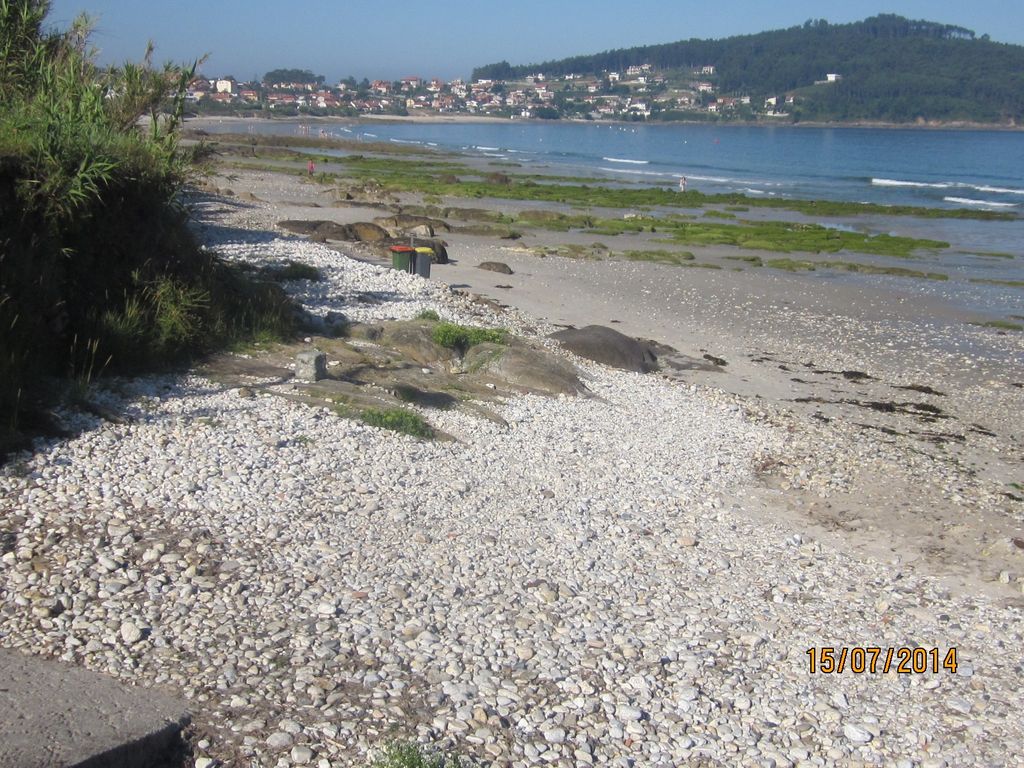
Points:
[402,257]
[424,258]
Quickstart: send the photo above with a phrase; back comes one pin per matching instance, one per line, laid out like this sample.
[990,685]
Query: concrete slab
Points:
[56,715]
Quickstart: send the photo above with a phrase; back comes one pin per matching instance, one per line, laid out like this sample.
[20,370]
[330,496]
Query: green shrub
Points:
[98,268]
[412,756]
[398,420]
[428,314]
[462,337]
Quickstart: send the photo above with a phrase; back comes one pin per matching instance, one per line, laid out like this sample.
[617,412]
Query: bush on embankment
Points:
[98,270]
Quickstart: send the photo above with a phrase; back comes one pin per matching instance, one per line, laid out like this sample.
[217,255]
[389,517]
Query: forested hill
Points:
[892,69]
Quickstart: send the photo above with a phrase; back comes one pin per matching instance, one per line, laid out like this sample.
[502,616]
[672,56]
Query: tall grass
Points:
[98,270]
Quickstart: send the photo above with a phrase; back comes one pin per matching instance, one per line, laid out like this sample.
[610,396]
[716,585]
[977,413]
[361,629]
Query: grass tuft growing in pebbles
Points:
[463,337]
[398,420]
[413,756]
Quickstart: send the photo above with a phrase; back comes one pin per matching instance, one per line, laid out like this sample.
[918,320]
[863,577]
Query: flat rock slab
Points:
[53,714]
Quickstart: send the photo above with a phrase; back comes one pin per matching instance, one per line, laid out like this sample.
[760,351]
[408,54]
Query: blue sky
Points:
[337,38]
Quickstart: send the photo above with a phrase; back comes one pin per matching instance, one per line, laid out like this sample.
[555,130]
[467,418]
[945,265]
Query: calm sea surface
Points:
[942,169]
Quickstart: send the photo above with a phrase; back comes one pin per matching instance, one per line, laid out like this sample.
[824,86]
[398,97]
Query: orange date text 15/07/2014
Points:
[874,659]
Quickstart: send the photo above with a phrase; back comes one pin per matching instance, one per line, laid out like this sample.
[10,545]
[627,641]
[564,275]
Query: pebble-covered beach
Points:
[588,584]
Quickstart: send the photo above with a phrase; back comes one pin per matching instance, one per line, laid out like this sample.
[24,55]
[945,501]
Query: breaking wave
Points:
[624,160]
[971,201]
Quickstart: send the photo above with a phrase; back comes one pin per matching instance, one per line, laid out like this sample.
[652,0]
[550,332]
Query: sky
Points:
[390,40]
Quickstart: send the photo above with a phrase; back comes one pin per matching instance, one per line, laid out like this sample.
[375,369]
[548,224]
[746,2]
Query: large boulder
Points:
[416,341]
[608,346]
[366,232]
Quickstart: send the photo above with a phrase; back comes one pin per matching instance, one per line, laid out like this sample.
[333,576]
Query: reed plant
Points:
[96,259]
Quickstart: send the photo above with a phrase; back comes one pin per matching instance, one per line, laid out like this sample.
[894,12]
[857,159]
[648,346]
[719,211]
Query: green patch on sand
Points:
[791,265]
[786,237]
[675,258]
[798,265]
[1001,325]
[872,269]
[995,281]
[991,254]
[595,252]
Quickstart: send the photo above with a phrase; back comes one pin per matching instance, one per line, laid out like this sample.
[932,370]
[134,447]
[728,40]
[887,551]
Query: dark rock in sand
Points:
[924,389]
[496,266]
[608,346]
[716,360]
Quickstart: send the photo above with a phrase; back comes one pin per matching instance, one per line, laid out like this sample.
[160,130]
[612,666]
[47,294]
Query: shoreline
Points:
[467,118]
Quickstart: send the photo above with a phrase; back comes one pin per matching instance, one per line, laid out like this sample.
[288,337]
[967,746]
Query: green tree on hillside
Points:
[893,69]
[292,76]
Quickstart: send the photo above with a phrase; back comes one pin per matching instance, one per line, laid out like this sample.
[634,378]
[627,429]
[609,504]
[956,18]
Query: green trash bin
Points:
[402,257]
[424,258]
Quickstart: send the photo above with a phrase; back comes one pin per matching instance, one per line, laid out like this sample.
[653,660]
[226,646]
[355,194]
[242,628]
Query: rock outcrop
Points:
[608,346]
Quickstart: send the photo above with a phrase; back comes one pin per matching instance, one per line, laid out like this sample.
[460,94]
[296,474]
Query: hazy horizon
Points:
[362,40]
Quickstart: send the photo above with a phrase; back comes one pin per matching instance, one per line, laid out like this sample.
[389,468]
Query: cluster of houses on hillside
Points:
[636,93]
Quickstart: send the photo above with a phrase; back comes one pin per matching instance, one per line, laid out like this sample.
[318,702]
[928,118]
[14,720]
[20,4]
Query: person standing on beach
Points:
[310,167]
[682,183]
